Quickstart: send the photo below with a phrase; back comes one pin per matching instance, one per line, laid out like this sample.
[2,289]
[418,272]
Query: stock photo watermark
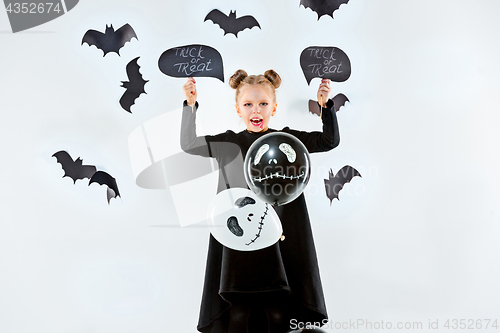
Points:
[26,15]
[431,324]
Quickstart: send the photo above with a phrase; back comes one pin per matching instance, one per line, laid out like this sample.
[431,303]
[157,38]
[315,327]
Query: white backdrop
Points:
[413,241]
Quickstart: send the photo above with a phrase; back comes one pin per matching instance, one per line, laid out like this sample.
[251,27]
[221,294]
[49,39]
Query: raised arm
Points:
[190,143]
[207,146]
[329,138]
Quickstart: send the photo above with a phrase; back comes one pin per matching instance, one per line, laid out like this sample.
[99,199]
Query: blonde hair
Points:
[241,79]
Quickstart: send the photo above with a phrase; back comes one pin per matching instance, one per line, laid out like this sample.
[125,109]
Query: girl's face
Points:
[256,107]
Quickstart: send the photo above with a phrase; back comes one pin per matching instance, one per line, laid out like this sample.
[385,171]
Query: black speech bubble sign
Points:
[192,61]
[325,62]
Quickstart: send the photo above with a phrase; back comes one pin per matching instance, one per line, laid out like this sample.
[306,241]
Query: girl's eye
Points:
[263,103]
[248,104]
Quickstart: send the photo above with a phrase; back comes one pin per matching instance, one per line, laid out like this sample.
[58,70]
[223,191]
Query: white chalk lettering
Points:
[184,67]
[320,70]
[193,64]
[199,52]
[201,67]
[321,53]
[186,52]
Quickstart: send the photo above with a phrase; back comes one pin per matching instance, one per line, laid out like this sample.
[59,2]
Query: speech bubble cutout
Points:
[192,61]
[27,15]
[325,62]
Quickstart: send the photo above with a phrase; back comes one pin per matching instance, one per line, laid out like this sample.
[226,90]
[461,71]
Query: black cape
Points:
[288,267]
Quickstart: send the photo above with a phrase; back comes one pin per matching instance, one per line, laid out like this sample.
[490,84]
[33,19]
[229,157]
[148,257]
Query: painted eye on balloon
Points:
[242,202]
[288,151]
[234,227]
[262,150]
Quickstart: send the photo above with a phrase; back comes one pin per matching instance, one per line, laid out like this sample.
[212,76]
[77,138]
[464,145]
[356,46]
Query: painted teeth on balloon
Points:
[261,224]
[277,175]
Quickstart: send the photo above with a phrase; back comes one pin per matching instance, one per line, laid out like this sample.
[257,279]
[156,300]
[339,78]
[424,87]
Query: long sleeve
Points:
[190,143]
[326,140]
[222,147]
[208,145]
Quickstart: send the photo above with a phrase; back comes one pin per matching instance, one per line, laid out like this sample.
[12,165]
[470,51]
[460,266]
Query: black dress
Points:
[287,270]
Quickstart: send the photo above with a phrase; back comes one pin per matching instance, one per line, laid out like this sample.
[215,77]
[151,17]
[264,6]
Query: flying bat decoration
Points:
[110,40]
[229,23]
[104,178]
[335,183]
[323,7]
[338,102]
[74,169]
[135,85]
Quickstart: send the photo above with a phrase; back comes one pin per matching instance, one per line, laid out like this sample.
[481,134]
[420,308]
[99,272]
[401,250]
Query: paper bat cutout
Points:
[334,184]
[135,85]
[104,178]
[110,40]
[230,24]
[338,102]
[323,7]
[74,169]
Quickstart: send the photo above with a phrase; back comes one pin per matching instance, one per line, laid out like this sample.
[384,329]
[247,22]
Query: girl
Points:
[276,288]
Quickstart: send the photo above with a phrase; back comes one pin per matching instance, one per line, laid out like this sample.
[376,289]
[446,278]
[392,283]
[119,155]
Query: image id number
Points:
[471,324]
[32,8]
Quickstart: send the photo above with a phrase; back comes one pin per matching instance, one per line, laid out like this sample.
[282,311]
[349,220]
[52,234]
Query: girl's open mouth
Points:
[256,121]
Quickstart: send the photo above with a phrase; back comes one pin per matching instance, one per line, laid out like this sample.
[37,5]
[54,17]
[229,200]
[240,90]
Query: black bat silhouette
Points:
[135,85]
[338,102]
[74,169]
[323,7]
[230,24]
[110,40]
[334,184]
[104,178]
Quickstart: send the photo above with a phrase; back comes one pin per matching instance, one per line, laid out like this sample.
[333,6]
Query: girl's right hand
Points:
[190,91]
[324,92]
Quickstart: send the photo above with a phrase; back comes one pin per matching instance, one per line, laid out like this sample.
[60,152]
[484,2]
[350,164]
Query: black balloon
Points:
[277,168]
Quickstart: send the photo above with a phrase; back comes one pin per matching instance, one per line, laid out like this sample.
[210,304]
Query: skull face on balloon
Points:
[277,168]
[241,221]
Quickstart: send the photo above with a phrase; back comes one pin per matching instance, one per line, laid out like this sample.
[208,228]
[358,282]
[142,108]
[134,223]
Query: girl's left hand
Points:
[324,91]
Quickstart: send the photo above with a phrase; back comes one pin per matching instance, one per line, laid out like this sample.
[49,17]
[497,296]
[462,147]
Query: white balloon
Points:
[238,219]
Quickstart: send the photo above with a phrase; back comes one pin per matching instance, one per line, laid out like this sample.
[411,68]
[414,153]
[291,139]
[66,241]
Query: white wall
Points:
[415,239]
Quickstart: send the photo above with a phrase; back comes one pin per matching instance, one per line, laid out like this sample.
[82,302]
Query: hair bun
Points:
[237,78]
[273,77]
